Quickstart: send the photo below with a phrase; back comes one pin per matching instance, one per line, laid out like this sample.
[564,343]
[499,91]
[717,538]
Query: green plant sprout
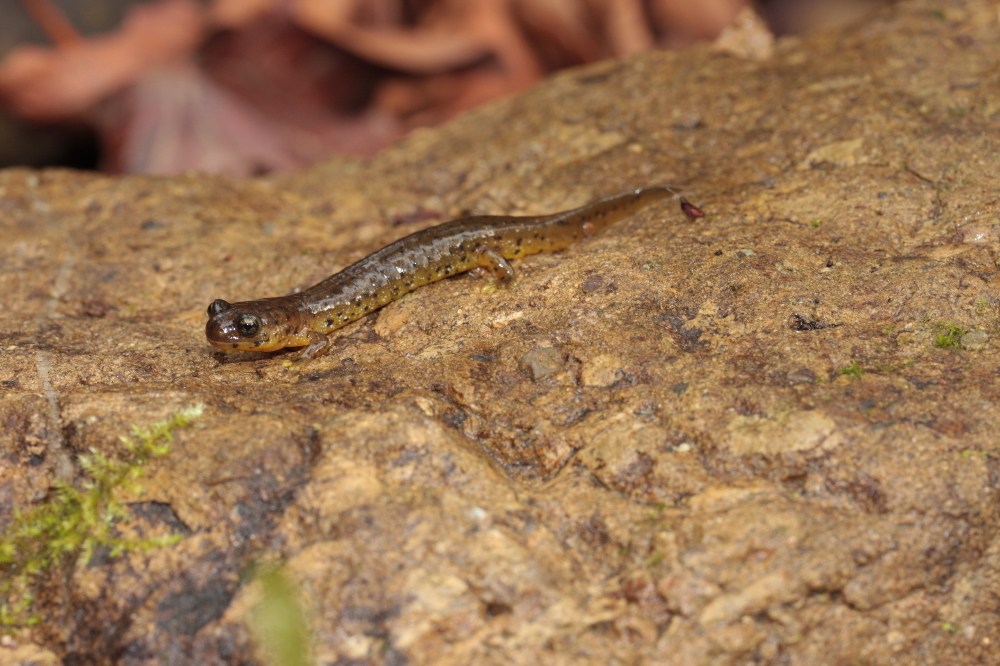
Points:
[949,335]
[73,524]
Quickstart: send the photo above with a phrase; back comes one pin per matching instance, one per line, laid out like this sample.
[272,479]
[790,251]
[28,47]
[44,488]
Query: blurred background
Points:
[249,87]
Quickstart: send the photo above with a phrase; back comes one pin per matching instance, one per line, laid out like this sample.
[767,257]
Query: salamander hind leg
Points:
[490,260]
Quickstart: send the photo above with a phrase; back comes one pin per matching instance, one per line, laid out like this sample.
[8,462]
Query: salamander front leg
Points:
[491,260]
[318,345]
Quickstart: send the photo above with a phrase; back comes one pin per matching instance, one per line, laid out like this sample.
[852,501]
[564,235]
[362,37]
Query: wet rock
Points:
[592,283]
[601,370]
[796,431]
[840,153]
[975,340]
[542,362]
[27,654]
[801,376]
[478,484]
[773,589]
[637,459]
[687,595]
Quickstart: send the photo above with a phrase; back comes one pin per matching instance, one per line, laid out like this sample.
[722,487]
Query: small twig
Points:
[910,170]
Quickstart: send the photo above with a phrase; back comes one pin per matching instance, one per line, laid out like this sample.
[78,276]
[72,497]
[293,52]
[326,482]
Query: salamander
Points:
[483,241]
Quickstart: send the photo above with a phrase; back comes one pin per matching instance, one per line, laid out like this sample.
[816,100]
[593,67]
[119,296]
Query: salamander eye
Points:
[248,325]
[217,306]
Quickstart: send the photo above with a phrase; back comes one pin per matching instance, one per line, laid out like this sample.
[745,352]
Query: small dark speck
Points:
[680,387]
[829,263]
[347,361]
[800,323]
[592,283]
[482,358]
[329,322]
[149,225]
[874,268]
[718,253]
[495,608]
[95,308]
[12,383]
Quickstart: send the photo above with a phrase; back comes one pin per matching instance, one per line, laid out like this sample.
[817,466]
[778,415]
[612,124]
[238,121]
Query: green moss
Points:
[853,370]
[75,522]
[949,335]
[278,621]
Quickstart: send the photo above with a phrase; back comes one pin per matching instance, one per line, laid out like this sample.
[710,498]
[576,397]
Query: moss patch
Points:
[76,521]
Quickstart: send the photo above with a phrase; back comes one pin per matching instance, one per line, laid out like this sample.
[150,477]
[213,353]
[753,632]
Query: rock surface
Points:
[745,446]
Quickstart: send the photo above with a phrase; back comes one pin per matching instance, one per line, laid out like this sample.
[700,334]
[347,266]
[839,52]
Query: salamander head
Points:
[253,326]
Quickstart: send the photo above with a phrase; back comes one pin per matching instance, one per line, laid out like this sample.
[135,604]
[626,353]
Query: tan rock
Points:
[601,370]
[440,500]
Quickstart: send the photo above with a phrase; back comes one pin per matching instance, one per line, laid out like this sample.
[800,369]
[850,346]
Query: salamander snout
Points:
[243,325]
[252,326]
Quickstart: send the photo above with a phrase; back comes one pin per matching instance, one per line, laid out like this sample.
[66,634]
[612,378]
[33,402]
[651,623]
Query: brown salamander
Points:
[483,241]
